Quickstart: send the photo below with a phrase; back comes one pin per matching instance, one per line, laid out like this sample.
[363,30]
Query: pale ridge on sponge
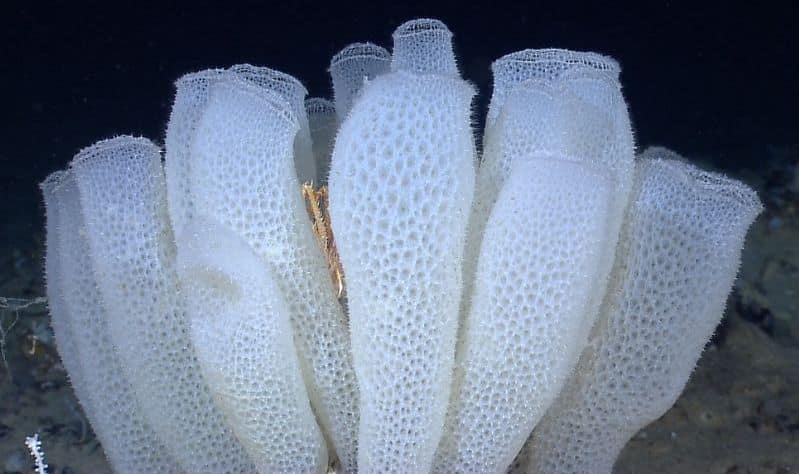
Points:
[55,277]
[677,259]
[350,68]
[123,197]
[191,96]
[323,125]
[105,394]
[243,178]
[563,119]
[401,185]
[243,339]
[532,297]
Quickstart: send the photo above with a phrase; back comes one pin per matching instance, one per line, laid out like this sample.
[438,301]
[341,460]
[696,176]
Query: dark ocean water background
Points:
[711,80]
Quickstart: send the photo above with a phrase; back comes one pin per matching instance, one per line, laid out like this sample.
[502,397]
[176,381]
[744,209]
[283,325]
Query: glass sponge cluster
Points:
[528,306]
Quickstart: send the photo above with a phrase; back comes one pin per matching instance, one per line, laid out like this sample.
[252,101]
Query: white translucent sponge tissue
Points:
[532,296]
[401,184]
[323,125]
[293,92]
[678,256]
[350,68]
[191,98]
[243,177]
[191,95]
[578,112]
[123,199]
[80,324]
[243,339]
[424,46]
[546,65]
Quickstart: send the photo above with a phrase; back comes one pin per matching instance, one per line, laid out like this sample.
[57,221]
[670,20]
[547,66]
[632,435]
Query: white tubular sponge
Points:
[323,125]
[243,179]
[560,103]
[583,81]
[293,92]
[190,98]
[244,342]
[107,397]
[546,65]
[123,197]
[350,68]
[401,185]
[558,121]
[424,46]
[533,290]
[677,259]
[62,317]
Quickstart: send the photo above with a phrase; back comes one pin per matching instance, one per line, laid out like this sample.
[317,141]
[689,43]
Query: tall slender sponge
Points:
[401,185]
[123,197]
[678,256]
[243,179]
[80,319]
[532,298]
[567,99]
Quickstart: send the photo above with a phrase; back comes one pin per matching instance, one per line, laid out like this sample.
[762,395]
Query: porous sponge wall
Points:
[547,65]
[678,256]
[557,103]
[323,124]
[243,177]
[401,184]
[80,323]
[532,295]
[244,342]
[424,46]
[350,68]
[191,96]
[293,93]
[123,197]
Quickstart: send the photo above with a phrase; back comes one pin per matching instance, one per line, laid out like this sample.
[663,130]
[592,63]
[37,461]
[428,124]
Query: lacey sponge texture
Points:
[311,285]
